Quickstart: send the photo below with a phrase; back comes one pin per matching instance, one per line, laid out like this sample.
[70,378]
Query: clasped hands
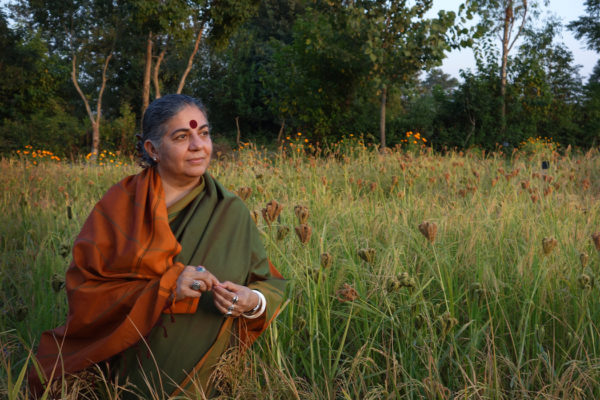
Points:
[229,298]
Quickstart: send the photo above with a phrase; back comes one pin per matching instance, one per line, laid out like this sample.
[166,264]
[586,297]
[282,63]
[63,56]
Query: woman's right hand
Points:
[187,278]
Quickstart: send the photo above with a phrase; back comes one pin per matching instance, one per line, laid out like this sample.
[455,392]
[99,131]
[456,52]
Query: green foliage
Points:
[588,26]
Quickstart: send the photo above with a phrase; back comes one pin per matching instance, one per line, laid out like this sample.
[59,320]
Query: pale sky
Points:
[565,10]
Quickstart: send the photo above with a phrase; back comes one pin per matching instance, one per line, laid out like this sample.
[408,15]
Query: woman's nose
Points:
[196,141]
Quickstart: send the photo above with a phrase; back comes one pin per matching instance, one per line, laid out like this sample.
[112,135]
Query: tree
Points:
[588,26]
[401,42]
[85,31]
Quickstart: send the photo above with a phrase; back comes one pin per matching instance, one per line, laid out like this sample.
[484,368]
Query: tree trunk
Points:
[95,120]
[190,62]
[280,135]
[508,16]
[147,70]
[155,73]
[382,118]
[239,134]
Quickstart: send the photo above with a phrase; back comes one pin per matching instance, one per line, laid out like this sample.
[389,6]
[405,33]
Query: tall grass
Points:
[480,311]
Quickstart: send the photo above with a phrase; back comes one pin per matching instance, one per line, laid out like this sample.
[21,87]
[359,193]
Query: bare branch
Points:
[99,102]
[190,61]
[85,100]
[161,56]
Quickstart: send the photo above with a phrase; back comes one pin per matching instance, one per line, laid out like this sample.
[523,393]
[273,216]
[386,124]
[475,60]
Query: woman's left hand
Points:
[225,294]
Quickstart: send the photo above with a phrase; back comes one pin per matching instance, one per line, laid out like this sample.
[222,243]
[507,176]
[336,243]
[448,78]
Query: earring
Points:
[154,158]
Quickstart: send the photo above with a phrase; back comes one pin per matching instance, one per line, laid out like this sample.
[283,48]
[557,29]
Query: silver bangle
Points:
[259,309]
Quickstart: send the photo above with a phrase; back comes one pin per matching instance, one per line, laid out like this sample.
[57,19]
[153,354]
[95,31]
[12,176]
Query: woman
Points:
[168,270]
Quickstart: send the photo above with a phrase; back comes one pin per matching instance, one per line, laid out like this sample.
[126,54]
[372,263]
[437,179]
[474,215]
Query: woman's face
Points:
[186,148]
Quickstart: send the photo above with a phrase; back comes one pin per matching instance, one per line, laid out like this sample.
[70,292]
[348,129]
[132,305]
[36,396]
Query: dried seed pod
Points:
[372,186]
[525,185]
[244,192]
[548,244]
[282,232]
[596,240]
[57,282]
[303,232]
[534,198]
[447,322]
[429,230]
[302,213]
[586,281]
[64,250]
[326,260]
[271,211]
[393,285]
[347,293]
[255,214]
[394,180]
[367,254]
[583,257]
[405,280]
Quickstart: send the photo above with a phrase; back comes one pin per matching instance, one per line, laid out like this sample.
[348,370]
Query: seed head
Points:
[255,214]
[326,260]
[548,244]
[347,293]
[583,257]
[596,240]
[244,192]
[271,211]
[429,230]
[367,254]
[302,213]
[303,232]
[586,281]
[282,232]
[58,282]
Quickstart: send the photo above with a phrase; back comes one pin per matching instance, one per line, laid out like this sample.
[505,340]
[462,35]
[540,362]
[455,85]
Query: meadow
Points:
[412,274]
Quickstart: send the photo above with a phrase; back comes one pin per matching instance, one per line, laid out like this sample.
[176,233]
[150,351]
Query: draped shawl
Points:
[126,261]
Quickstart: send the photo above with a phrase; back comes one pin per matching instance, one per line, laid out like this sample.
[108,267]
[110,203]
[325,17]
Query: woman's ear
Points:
[151,149]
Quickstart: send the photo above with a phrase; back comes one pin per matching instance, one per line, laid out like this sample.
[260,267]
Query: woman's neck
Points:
[175,191]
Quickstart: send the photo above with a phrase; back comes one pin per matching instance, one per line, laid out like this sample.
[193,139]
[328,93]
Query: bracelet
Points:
[259,309]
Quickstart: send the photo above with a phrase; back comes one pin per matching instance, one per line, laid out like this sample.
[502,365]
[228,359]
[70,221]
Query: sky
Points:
[565,10]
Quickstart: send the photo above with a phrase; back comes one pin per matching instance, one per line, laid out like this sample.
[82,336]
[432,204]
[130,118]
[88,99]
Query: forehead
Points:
[184,117]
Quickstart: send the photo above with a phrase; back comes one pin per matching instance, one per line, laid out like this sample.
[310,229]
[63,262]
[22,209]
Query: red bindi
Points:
[193,124]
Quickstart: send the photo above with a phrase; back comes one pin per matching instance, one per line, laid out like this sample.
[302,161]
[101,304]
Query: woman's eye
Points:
[205,133]
[181,137]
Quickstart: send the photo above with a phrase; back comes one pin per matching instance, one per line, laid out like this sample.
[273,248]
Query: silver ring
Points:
[196,285]
[200,268]
[228,314]
[235,299]
[230,308]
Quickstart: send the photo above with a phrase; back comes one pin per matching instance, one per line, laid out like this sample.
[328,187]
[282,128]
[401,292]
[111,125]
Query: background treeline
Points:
[77,75]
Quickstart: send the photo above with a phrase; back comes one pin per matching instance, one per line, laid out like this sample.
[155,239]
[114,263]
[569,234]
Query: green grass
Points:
[489,316]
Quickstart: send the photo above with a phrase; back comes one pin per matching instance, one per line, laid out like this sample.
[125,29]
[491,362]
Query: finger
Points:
[232,287]
[209,279]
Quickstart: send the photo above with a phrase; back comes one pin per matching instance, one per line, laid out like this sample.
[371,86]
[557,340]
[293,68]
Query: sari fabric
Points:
[126,261]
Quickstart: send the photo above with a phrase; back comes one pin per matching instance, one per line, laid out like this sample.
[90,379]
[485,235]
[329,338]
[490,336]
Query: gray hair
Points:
[158,113]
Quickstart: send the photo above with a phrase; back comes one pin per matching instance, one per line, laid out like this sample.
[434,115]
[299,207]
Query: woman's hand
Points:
[194,276]
[225,294]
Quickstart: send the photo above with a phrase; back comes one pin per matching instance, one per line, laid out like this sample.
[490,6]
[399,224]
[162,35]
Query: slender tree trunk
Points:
[508,16]
[281,129]
[239,134]
[147,70]
[155,80]
[190,62]
[95,120]
[382,118]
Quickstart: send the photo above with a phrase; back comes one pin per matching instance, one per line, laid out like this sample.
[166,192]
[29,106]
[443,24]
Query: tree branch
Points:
[99,102]
[161,56]
[85,100]
[190,61]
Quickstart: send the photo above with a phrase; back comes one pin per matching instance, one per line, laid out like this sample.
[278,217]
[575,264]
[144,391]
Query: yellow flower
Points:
[299,134]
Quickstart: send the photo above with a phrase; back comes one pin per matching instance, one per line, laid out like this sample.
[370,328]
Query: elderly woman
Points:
[168,270]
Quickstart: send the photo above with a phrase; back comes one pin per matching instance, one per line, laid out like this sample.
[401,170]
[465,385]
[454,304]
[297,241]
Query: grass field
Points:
[424,276]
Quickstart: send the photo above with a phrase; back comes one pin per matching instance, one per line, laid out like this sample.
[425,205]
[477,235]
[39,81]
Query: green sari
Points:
[216,231]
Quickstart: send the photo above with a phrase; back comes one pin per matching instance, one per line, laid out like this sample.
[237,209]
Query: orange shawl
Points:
[119,282]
